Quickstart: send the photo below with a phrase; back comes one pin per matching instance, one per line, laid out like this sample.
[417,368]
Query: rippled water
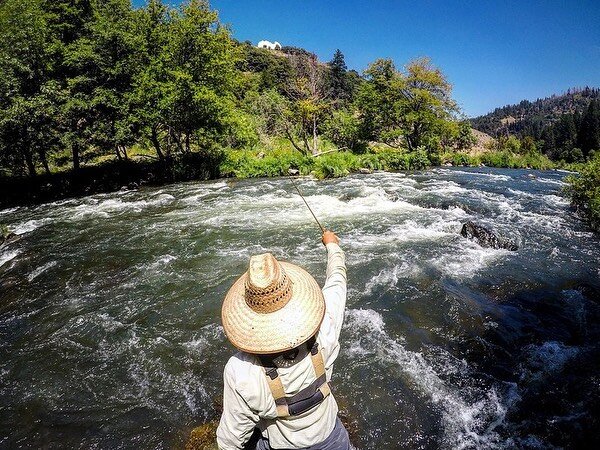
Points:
[110,309]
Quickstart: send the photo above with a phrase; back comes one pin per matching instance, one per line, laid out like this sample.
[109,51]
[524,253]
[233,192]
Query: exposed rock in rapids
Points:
[293,172]
[365,170]
[391,195]
[487,238]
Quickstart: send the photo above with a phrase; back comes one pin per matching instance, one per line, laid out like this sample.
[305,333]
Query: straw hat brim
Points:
[278,331]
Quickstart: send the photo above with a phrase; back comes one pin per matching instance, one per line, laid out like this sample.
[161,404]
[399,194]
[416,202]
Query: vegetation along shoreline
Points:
[95,96]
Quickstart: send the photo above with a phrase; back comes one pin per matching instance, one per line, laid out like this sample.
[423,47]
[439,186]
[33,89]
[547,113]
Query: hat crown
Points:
[268,288]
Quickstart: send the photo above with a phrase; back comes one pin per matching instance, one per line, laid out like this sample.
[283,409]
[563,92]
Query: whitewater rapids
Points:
[110,329]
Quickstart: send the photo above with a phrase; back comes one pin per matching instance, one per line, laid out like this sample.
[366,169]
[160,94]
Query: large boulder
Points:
[487,238]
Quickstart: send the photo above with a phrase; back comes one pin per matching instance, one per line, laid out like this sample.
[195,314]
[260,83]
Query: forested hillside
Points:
[565,126]
[97,94]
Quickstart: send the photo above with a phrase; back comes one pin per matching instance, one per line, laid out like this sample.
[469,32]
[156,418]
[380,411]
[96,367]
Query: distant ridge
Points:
[528,118]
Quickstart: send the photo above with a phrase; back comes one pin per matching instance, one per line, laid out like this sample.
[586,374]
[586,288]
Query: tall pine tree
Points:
[338,78]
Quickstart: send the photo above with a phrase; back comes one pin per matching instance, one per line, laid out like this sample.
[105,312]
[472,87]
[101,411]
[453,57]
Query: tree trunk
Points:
[29,163]
[118,153]
[75,151]
[307,149]
[315,150]
[187,142]
[156,143]
[293,142]
[177,139]
[169,143]
[44,161]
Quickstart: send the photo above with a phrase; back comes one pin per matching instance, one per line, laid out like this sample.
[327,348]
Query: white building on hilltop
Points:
[269,45]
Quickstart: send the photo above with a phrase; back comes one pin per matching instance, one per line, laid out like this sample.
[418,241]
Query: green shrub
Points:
[394,159]
[418,160]
[461,159]
[334,165]
[372,161]
[584,190]
[4,231]
[344,129]
[248,164]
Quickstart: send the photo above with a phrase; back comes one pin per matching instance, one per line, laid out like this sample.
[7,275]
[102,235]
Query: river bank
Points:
[115,175]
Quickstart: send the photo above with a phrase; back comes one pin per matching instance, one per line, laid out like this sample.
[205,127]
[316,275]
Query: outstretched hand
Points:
[330,237]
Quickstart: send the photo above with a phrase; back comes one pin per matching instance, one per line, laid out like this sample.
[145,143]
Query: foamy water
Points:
[110,329]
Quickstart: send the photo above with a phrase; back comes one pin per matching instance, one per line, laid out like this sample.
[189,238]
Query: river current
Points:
[110,332]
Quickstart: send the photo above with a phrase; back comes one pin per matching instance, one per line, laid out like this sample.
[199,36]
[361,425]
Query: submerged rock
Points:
[203,437]
[487,238]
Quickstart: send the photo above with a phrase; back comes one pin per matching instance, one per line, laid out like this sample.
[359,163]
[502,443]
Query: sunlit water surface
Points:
[110,331]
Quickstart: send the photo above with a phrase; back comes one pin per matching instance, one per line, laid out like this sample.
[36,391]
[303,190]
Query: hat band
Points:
[270,299]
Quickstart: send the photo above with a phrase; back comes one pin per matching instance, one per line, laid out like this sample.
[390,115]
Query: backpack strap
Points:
[276,387]
[319,365]
[306,398]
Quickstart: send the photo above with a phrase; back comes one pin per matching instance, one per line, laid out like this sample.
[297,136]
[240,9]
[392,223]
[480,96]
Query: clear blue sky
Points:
[494,53]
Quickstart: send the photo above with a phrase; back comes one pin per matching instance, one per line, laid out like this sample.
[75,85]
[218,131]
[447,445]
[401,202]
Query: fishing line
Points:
[307,205]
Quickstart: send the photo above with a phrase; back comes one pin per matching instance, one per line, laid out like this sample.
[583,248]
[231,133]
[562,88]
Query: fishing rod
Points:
[307,205]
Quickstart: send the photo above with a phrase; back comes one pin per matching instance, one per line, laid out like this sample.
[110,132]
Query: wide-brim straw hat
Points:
[273,307]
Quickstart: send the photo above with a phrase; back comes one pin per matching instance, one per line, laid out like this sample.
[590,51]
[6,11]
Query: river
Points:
[110,331]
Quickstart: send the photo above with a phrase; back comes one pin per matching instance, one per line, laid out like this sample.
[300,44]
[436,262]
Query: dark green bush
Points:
[584,190]
[418,160]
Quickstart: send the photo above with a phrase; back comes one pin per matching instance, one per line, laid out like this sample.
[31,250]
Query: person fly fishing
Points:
[287,330]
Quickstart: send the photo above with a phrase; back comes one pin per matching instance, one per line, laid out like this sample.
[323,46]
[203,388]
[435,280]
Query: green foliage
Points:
[499,158]
[464,139]
[97,78]
[537,117]
[409,108]
[268,162]
[343,128]
[584,190]
[418,160]
[86,82]
[340,83]
[588,137]
[265,162]
[4,231]
[565,127]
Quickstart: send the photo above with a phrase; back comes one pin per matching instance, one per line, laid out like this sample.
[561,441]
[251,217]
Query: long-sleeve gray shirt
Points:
[247,399]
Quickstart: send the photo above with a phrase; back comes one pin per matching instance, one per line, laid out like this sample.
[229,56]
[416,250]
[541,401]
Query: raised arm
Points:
[334,290]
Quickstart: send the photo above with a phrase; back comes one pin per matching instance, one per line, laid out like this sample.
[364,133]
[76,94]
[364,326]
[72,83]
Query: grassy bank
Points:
[584,190]
[278,162]
[500,159]
[276,159]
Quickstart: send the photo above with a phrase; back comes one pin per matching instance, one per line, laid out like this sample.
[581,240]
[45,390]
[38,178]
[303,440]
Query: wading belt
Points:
[308,397]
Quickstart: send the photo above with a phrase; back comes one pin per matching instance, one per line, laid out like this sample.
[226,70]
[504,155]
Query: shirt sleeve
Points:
[334,290]
[238,420]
